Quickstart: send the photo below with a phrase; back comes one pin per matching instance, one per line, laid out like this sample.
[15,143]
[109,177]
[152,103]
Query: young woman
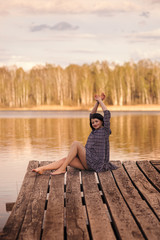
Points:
[95,155]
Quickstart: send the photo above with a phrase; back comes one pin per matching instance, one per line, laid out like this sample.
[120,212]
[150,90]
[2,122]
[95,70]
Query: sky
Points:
[64,32]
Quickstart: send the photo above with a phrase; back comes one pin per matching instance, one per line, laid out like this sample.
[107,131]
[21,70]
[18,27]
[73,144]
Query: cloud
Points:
[145,14]
[3,12]
[155,1]
[12,62]
[142,23]
[61,26]
[143,36]
[149,54]
[39,27]
[85,51]
[7,57]
[61,37]
[104,8]
[4,55]
[70,6]
[64,26]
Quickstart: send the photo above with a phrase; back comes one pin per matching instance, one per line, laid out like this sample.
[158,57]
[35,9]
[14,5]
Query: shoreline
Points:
[149,107]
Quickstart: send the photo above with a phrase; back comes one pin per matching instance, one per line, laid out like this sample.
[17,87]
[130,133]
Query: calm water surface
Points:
[47,135]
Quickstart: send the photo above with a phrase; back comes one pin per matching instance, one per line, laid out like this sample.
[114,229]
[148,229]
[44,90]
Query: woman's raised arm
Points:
[97,98]
[100,99]
[94,110]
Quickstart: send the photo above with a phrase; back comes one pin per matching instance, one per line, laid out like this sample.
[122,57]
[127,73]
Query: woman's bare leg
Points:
[76,149]
[51,166]
[73,161]
[76,163]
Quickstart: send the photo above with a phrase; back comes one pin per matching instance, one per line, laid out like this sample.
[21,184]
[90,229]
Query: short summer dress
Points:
[97,147]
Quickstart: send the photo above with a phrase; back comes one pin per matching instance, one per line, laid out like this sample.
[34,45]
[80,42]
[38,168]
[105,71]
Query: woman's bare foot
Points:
[58,171]
[39,170]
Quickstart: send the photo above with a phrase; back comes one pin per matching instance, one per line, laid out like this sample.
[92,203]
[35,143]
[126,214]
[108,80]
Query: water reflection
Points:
[50,134]
[130,134]
[137,134]
[134,137]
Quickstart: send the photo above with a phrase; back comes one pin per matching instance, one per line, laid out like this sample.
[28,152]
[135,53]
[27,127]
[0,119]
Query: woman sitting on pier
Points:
[95,155]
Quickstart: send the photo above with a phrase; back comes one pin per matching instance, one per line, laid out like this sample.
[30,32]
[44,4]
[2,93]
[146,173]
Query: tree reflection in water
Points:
[138,134]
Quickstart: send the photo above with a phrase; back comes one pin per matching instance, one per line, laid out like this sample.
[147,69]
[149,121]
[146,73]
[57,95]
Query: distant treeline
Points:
[131,83]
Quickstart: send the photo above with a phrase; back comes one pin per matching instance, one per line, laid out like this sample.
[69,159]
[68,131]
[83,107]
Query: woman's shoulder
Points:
[107,111]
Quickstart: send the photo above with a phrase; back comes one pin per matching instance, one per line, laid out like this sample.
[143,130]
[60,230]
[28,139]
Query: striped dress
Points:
[97,147]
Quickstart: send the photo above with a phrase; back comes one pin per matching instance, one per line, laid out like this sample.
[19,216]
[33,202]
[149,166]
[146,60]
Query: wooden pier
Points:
[122,204]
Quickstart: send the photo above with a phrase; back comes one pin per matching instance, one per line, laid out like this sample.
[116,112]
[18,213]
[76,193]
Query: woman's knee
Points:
[76,143]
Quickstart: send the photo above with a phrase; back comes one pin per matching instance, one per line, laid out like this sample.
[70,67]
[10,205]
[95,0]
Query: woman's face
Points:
[96,123]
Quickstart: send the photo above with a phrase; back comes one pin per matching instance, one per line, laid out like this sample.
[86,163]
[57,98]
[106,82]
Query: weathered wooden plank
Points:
[31,228]
[156,164]
[75,218]
[122,219]
[157,167]
[150,194]
[143,214]
[99,222]
[15,220]
[54,220]
[150,172]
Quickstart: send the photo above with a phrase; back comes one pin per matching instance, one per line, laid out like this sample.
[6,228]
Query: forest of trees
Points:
[130,83]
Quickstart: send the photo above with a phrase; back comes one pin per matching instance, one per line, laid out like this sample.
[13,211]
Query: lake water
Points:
[47,135]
